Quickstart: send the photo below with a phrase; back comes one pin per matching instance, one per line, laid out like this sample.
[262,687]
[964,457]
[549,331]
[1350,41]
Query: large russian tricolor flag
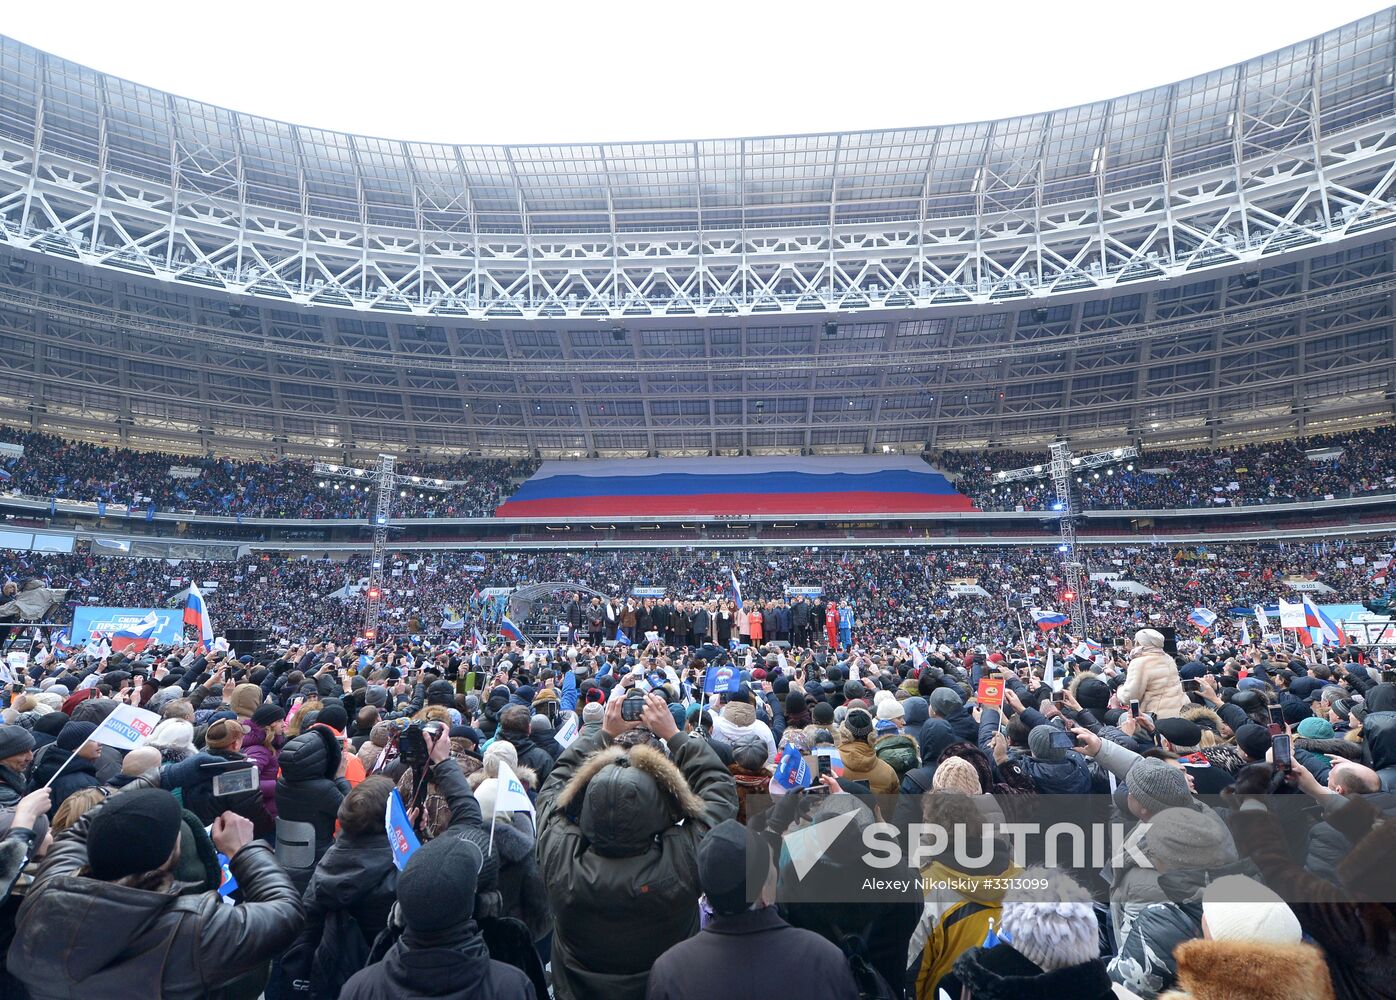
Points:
[653,487]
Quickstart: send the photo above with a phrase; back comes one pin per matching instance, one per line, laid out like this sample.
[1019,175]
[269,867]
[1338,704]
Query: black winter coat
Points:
[1000,973]
[530,755]
[141,943]
[752,954]
[77,775]
[458,968]
[356,876]
[308,790]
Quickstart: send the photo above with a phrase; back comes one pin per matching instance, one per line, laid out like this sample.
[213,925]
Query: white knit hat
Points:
[882,696]
[497,751]
[890,708]
[1238,908]
[1055,927]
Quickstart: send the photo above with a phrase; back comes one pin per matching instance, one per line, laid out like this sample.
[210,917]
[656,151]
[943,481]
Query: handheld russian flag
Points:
[480,642]
[509,630]
[1047,619]
[196,616]
[1328,633]
[1202,618]
[1087,649]
[792,773]
[736,589]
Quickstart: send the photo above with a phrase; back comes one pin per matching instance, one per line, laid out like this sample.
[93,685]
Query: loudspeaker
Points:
[247,640]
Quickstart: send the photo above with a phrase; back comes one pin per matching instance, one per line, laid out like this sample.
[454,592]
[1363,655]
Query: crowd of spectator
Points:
[892,592]
[1338,465]
[53,467]
[1315,468]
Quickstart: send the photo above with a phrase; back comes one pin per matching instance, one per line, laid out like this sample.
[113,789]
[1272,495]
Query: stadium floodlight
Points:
[1064,510]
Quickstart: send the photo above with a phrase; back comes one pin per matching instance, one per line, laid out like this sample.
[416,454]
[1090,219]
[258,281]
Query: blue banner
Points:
[792,772]
[128,628]
[401,840]
[724,679]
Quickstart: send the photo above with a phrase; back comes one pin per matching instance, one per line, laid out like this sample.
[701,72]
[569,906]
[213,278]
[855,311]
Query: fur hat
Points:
[1053,927]
[621,799]
[1211,970]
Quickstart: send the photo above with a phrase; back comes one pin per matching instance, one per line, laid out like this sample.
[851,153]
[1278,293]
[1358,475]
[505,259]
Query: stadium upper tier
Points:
[1357,464]
[1286,151]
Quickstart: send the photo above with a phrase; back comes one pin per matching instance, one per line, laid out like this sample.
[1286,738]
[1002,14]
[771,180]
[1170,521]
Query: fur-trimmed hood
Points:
[622,799]
[1211,970]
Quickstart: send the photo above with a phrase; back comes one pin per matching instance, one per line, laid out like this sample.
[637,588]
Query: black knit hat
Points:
[74,735]
[132,832]
[268,714]
[334,716]
[437,888]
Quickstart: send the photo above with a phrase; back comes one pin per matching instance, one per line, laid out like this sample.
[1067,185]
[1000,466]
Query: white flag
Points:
[1292,615]
[509,796]
[1245,634]
[126,728]
[567,733]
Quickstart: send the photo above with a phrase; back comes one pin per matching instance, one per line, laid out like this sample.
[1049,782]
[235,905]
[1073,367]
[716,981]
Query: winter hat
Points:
[853,689]
[441,693]
[1054,927]
[132,832]
[858,724]
[268,714]
[1296,712]
[750,754]
[1185,839]
[880,696]
[485,794]
[540,725]
[500,750]
[138,761]
[223,734]
[15,740]
[732,866]
[794,703]
[1158,786]
[1240,908]
[944,701]
[1253,740]
[245,700]
[916,710]
[1251,684]
[1179,732]
[890,709]
[823,713]
[334,716]
[73,736]
[376,695]
[436,889]
[955,774]
[1092,693]
[1149,637]
[1314,728]
[1040,743]
[594,712]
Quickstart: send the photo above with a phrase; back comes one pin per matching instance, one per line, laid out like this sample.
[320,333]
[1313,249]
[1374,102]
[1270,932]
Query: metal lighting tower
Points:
[1060,468]
[385,480]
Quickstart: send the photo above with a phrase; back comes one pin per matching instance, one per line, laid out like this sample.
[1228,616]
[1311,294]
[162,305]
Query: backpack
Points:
[343,951]
[871,984]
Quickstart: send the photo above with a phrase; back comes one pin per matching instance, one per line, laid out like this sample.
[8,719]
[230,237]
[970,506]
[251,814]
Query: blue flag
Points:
[401,840]
[722,680]
[621,638]
[229,884]
[792,773]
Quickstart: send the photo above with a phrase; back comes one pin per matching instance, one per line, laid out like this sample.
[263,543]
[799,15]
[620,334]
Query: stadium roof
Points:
[1285,148]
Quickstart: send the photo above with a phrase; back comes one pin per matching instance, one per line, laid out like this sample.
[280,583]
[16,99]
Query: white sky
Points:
[476,71]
